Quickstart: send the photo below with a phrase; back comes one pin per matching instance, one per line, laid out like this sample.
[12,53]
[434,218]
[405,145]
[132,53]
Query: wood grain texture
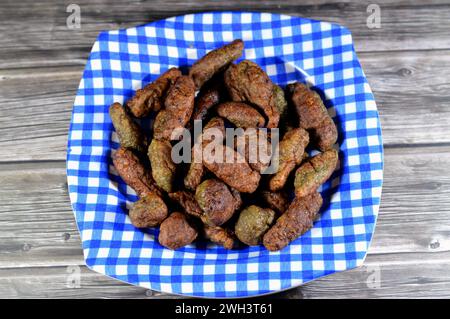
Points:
[59,282]
[382,276]
[48,95]
[411,89]
[35,32]
[412,93]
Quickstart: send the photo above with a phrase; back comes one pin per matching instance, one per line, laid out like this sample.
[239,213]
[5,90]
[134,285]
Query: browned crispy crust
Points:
[196,169]
[220,236]
[194,175]
[166,122]
[151,97]
[291,150]
[163,168]
[180,97]
[313,115]
[179,105]
[216,123]
[247,82]
[253,222]
[215,61]
[297,220]
[253,151]
[325,135]
[244,95]
[237,173]
[240,114]
[216,202]
[280,103]
[176,231]
[129,133]
[206,99]
[134,173]
[237,198]
[313,173]
[187,200]
[278,201]
[148,211]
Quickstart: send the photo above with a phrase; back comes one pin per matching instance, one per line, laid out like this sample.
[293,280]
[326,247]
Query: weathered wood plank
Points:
[60,282]
[36,112]
[38,228]
[412,94]
[382,276]
[40,66]
[411,89]
[415,201]
[36,219]
[36,33]
[420,277]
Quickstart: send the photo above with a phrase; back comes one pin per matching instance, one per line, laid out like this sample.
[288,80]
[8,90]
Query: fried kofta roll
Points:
[235,171]
[240,114]
[149,211]
[209,96]
[314,172]
[238,201]
[196,169]
[194,175]
[253,222]
[291,150]
[163,168]
[179,105]
[151,97]
[215,61]
[280,102]
[176,231]
[216,201]
[296,221]
[134,173]
[278,201]
[224,162]
[288,116]
[166,123]
[314,116]
[187,200]
[220,236]
[247,82]
[129,133]
[325,135]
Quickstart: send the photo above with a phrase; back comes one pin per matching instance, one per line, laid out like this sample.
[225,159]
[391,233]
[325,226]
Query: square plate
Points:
[289,49]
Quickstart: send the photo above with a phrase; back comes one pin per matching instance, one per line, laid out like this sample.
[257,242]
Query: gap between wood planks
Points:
[411,90]
[375,279]
[404,25]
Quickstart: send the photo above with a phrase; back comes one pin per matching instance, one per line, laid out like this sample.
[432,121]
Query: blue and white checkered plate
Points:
[289,49]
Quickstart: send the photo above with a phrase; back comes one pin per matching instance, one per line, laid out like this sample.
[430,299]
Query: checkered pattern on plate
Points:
[289,49]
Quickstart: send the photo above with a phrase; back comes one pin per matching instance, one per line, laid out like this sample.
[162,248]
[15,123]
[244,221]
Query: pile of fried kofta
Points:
[229,203]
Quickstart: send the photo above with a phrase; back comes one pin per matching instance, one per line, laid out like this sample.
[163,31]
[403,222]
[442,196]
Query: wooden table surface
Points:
[407,63]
